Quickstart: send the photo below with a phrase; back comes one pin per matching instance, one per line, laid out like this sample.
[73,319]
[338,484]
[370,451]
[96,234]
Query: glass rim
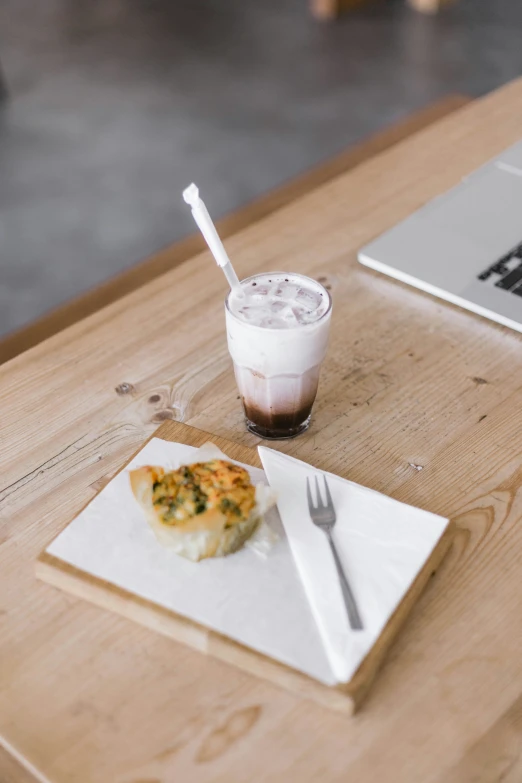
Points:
[290,328]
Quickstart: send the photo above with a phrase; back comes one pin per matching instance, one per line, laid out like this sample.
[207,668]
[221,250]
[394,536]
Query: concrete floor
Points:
[115,105]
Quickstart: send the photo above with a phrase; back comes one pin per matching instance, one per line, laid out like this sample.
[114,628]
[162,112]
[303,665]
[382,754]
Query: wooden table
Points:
[409,381]
[327,10]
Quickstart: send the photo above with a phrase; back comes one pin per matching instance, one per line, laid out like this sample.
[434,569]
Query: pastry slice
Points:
[207,509]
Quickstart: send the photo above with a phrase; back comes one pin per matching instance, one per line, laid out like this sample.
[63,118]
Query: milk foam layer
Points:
[280,301]
[271,343]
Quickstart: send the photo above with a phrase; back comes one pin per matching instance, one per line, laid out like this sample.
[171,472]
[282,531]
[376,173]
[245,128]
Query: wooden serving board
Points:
[344,697]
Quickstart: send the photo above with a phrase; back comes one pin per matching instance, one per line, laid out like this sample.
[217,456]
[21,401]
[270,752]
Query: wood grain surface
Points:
[129,280]
[344,698]
[409,382]
[12,771]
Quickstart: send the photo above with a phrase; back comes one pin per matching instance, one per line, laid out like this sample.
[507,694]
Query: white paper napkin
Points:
[382,543]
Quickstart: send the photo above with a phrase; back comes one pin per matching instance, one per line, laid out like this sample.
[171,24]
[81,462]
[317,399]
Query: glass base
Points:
[269,434]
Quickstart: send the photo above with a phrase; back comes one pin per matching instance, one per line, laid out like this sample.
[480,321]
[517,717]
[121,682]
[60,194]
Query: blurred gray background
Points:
[116,105]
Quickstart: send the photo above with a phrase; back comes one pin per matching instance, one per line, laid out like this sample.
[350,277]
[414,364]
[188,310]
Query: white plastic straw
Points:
[208,229]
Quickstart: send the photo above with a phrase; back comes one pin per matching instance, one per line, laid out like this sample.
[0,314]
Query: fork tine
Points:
[329,501]
[311,506]
[319,498]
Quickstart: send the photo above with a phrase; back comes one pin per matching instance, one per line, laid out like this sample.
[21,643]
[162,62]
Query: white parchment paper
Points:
[258,601]
[288,604]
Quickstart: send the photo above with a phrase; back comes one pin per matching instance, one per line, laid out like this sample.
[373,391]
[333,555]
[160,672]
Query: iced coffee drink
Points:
[277,337]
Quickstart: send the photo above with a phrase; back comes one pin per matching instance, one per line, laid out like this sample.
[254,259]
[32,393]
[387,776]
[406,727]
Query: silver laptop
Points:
[466,245]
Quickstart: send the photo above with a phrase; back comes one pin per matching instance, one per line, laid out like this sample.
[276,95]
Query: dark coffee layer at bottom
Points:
[261,432]
[278,425]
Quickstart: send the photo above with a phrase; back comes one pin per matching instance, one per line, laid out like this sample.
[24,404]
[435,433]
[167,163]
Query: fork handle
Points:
[349,601]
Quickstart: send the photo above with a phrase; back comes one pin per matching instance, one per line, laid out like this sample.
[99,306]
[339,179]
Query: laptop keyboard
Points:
[507,272]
